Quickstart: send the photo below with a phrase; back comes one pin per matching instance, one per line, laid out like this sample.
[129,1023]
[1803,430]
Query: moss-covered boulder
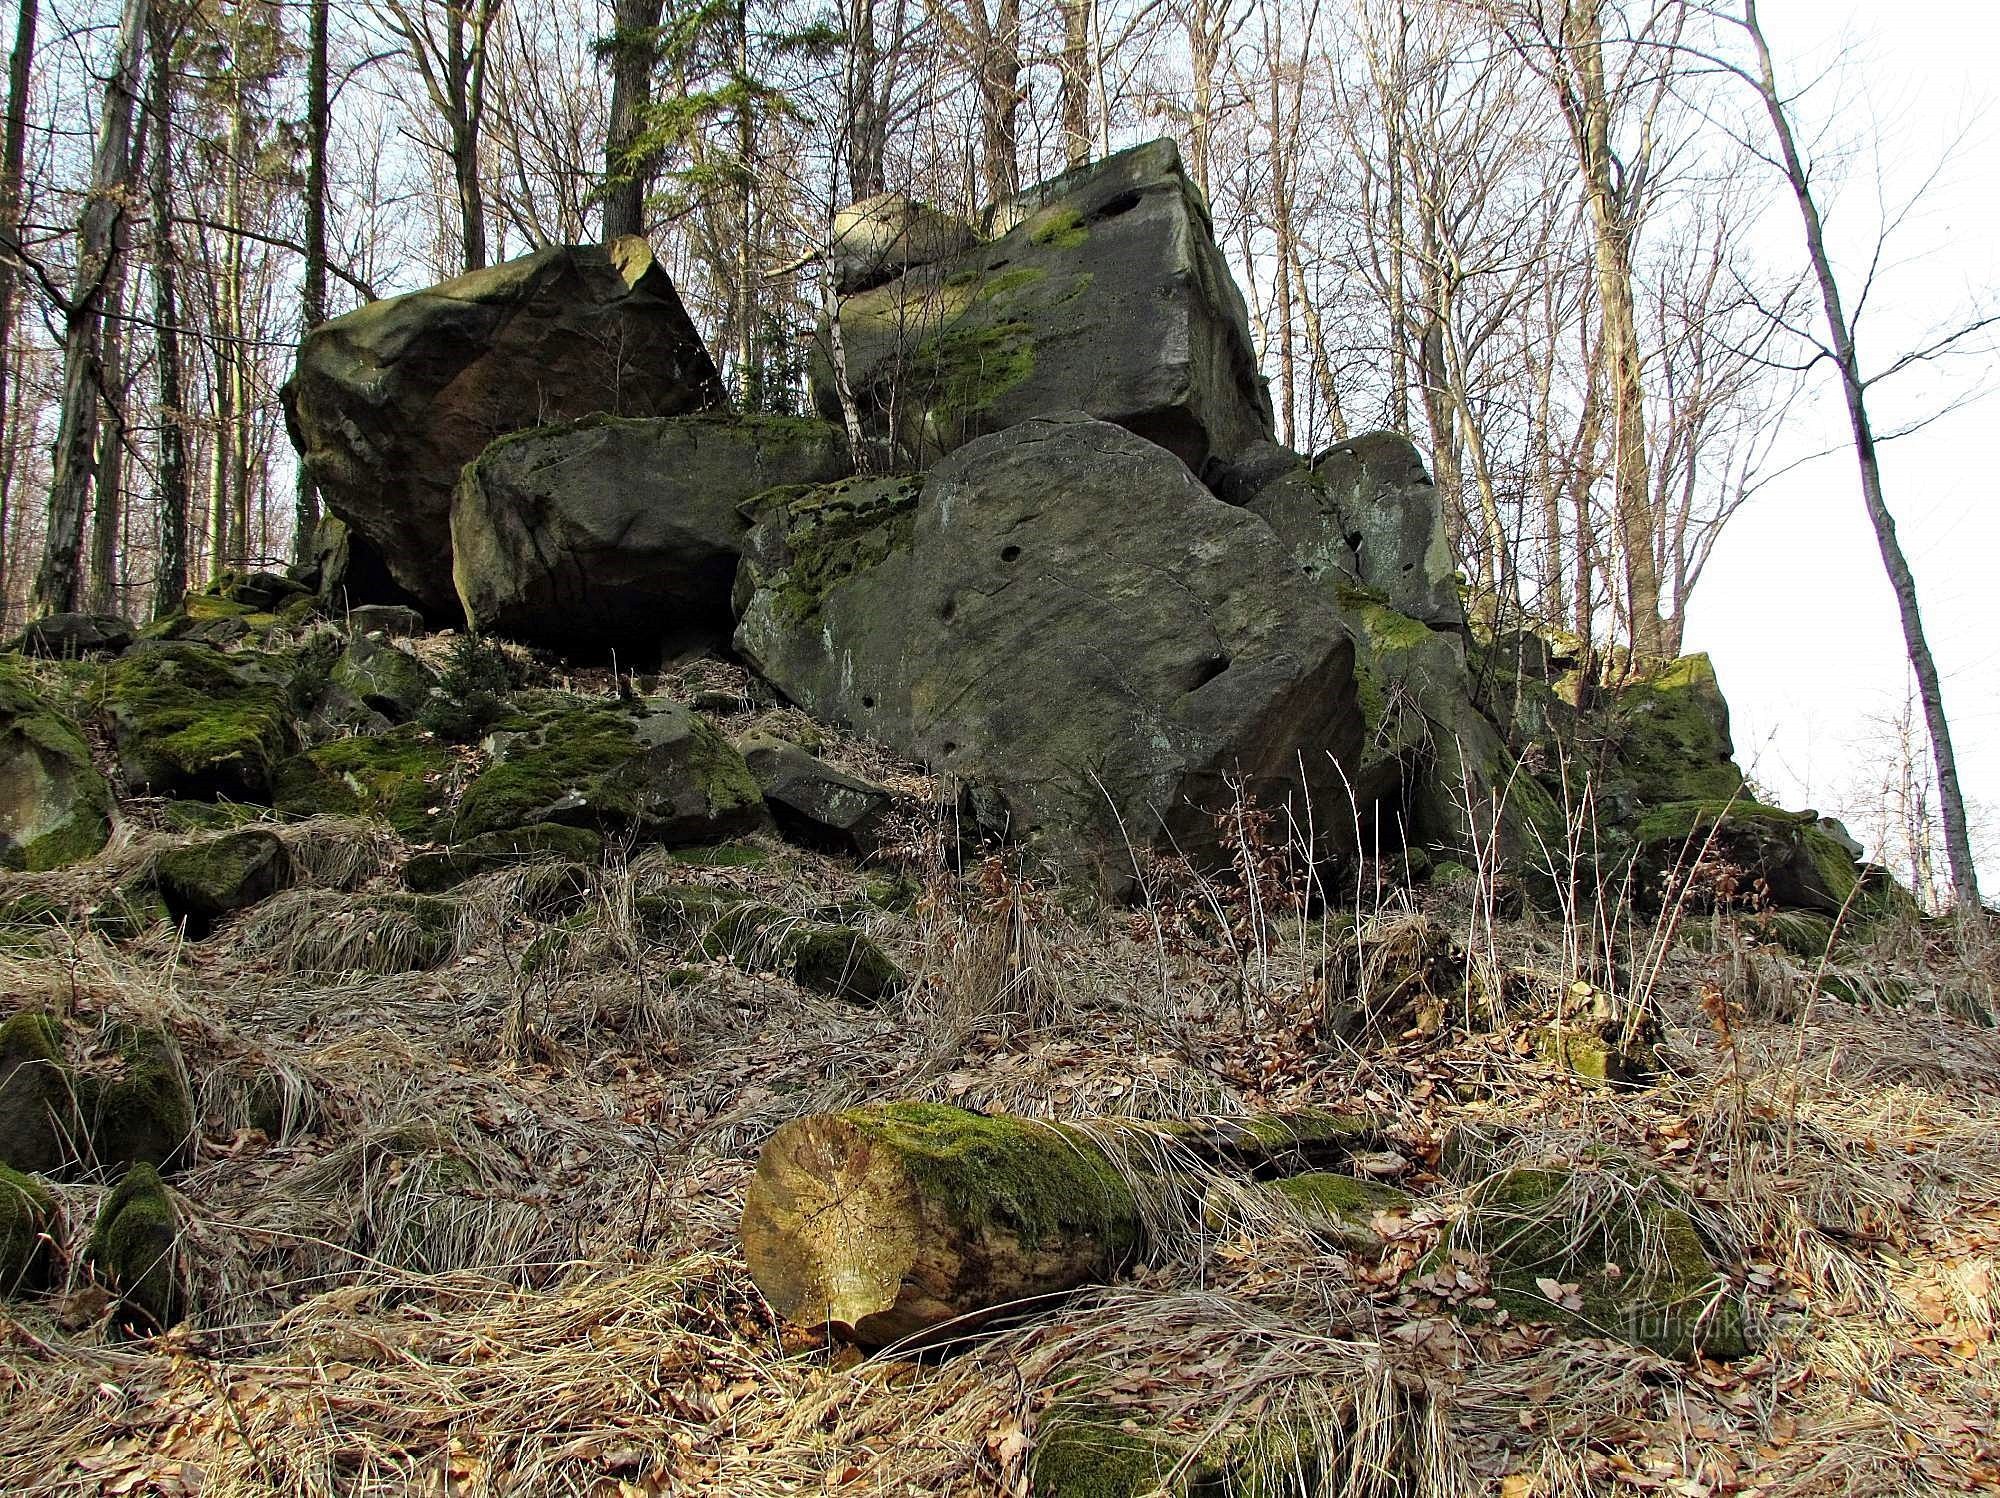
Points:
[1340,1209]
[40,1128]
[70,637]
[1086,1449]
[132,1249]
[821,957]
[141,1113]
[432,873]
[1671,738]
[190,721]
[27,1217]
[1606,1248]
[1103,291]
[205,879]
[1713,853]
[377,676]
[402,776]
[622,534]
[1100,687]
[392,400]
[655,771]
[55,808]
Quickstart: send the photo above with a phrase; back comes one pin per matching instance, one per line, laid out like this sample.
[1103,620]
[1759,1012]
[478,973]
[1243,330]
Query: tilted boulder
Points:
[1365,512]
[190,721]
[389,402]
[1104,292]
[205,879]
[67,637]
[878,238]
[55,807]
[812,802]
[1095,683]
[623,534]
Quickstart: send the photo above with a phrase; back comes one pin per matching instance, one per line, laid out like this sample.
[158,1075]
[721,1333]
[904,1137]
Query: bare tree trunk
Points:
[1076,81]
[1930,691]
[628,174]
[60,578]
[1588,106]
[170,581]
[20,74]
[107,509]
[1000,102]
[313,309]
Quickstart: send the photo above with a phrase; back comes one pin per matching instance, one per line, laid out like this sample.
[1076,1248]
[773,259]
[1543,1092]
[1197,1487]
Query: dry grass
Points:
[465,1224]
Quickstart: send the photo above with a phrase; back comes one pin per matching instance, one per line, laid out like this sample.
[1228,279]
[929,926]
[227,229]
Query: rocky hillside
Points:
[1011,937]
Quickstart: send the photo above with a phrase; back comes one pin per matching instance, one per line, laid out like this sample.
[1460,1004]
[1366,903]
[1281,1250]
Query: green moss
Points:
[838,531]
[681,913]
[1084,1453]
[1005,284]
[726,856]
[40,1128]
[841,961]
[1592,1058]
[430,873]
[398,776]
[577,752]
[966,369]
[1037,1182]
[132,1246]
[1623,1237]
[1059,227]
[27,1215]
[145,1114]
[188,721]
[1673,735]
[54,761]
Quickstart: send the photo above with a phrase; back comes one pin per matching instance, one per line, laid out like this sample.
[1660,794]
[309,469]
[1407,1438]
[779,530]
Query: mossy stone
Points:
[1673,735]
[132,1248]
[27,1216]
[190,721]
[1594,1057]
[999,1171]
[1798,864]
[39,1125]
[383,678]
[432,873]
[1341,1209]
[209,878]
[821,958]
[145,1114]
[398,776]
[55,807]
[1641,1270]
[660,773]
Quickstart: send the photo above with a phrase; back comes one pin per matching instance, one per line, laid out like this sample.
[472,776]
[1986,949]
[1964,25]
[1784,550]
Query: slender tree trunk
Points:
[1930,691]
[1000,104]
[170,581]
[1076,81]
[1611,247]
[107,508]
[313,308]
[628,174]
[60,578]
[20,75]
[866,104]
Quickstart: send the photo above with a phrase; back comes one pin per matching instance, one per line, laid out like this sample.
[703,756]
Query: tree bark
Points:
[1075,103]
[1854,387]
[171,578]
[909,1220]
[60,579]
[20,75]
[107,508]
[313,305]
[628,174]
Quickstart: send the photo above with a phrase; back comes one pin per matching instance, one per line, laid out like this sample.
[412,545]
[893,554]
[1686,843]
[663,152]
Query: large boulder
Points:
[623,534]
[1062,617]
[68,637]
[878,238]
[55,807]
[389,402]
[654,771]
[1103,292]
[190,721]
[815,804]
[1364,512]
[206,878]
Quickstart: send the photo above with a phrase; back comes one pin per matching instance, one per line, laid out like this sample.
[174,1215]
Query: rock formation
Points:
[390,401]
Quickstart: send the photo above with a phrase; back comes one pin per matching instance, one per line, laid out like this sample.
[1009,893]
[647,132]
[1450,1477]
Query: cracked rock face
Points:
[1065,619]
[390,401]
[1102,290]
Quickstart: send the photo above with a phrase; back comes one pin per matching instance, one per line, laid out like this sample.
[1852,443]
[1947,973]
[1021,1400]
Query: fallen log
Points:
[888,1222]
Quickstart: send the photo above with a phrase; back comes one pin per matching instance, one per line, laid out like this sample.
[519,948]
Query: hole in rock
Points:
[1205,672]
[1010,554]
[867,701]
[1111,207]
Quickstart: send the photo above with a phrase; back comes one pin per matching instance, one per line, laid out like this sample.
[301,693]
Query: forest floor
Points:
[486,1239]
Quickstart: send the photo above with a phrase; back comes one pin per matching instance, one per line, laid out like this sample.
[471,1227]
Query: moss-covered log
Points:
[900,1219]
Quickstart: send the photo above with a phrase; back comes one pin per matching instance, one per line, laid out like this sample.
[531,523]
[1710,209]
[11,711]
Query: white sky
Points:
[1795,609]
